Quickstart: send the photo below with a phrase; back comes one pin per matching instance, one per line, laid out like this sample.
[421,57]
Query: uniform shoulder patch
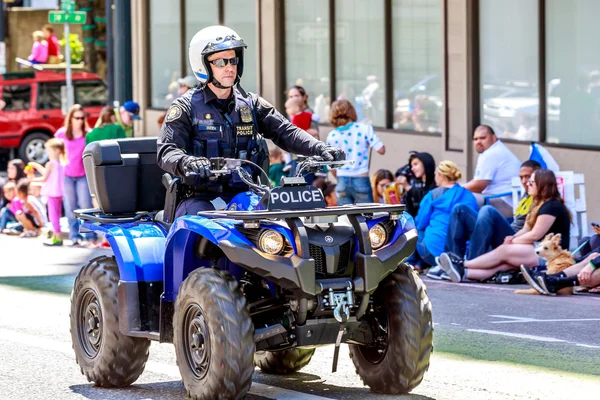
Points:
[175,112]
[264,103]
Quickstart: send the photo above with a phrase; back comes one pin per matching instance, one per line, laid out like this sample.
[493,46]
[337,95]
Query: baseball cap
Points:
[188,81]
[132,108]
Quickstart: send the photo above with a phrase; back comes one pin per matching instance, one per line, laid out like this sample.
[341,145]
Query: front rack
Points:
[351,209]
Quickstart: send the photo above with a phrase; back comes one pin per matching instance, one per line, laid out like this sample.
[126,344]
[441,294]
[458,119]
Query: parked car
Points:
[32,108]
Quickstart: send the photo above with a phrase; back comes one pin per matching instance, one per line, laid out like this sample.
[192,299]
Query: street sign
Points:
[68,6]
[61,17]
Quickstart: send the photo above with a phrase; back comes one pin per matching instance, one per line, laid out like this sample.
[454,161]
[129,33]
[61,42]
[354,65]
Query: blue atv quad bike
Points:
[262,282]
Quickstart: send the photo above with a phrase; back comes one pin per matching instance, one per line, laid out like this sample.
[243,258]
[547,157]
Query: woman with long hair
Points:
[356,140]
[548,214]
[16,170]
[298,92]
[379,181]
[108,128]
[434,214]
[76,190]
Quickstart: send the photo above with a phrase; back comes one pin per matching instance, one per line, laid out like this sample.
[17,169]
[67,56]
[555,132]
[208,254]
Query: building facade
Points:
[423,72]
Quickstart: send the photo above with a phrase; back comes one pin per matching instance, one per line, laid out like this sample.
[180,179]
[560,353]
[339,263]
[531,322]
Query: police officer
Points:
[219,119]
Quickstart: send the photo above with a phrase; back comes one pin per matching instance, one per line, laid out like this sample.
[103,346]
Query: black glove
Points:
[332,154]
[197,166]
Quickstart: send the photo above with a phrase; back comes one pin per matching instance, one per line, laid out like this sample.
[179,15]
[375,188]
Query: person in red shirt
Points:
[53,45]
[293,108]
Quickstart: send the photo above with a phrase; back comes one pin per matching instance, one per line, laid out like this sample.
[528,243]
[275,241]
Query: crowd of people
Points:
[35,195]
[467,232]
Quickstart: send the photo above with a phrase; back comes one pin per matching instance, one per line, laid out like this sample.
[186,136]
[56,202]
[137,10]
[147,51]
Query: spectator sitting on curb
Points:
[10,206]
[485,230]
[379,180]
[422,180]
[496,166]
[548,214]
[433,218]
[329,194]
[31,216]
[15,170]
[355,140]
[584,273]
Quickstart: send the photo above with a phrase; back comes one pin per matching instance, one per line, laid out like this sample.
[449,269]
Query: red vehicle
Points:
[32,108]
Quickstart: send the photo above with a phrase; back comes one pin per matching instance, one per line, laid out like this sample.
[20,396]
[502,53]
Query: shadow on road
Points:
[319,387]
[159,390]
[59,284]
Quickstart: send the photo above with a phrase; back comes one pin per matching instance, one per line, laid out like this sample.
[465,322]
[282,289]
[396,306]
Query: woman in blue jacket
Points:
[434,213]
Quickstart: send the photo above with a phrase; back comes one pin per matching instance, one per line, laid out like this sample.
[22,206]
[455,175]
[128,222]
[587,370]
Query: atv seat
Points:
[124,175]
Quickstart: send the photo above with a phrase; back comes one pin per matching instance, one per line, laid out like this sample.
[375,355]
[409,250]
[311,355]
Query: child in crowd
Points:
[39,50]
[53,179]
[379,181]
[302,119]
[11,206]
[277,165]
[330,197]
[31,216]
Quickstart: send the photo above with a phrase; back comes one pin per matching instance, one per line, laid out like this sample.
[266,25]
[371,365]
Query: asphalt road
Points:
[489,343]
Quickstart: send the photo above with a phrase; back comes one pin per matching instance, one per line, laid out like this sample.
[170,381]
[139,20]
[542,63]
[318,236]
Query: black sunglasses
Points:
[221,62]
[79,118]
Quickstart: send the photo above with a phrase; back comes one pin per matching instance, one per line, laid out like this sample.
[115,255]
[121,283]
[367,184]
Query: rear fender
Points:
[138,248]
[180,251]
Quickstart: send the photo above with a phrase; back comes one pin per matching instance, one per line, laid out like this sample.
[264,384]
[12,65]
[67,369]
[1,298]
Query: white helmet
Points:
[213,40]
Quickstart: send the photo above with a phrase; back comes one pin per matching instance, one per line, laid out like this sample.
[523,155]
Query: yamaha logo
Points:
[328,239]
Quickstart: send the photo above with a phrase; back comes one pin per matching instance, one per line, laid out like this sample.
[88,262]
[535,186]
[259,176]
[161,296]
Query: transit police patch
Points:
[264,103]
[174,113]
[244,130]
[245,114]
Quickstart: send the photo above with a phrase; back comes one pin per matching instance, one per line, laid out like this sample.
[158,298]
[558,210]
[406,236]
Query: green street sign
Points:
[68,6]
[61,17]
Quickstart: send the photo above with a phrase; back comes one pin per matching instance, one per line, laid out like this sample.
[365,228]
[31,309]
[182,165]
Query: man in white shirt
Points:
[495,169]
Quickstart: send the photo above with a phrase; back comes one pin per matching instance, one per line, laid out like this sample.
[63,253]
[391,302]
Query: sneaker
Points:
[437,273]
[547,284]
[453,265]
[75,243]
[530,276]
[53,242]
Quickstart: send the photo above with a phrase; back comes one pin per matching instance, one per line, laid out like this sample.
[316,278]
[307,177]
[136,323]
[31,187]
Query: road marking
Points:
[518,320]
[518,335]
[257,389]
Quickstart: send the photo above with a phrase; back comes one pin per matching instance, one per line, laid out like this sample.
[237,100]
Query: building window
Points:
[509,67]
[417,65]
[241,16]
[165,57]
[198,15]
[360,58]
[572,72]
[307,51]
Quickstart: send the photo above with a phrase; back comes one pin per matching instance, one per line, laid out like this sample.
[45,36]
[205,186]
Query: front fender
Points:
[179,256]
[138,248]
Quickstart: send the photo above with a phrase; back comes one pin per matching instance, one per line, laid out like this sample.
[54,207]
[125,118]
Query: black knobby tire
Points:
[106,356]
[401,365]
[213,336]
[283,362]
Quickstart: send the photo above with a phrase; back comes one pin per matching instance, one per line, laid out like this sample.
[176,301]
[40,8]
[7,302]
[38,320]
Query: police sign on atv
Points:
[264,282]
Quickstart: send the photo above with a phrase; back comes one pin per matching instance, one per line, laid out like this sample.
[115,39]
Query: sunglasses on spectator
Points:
[79,118]
[221,62]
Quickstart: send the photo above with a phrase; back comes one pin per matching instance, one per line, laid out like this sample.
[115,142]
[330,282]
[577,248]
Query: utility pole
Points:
[67,16]
[122,51]
[2,44]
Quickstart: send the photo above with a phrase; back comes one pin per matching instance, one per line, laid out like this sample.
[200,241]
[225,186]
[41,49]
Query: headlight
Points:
[271,242]
[378,236]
